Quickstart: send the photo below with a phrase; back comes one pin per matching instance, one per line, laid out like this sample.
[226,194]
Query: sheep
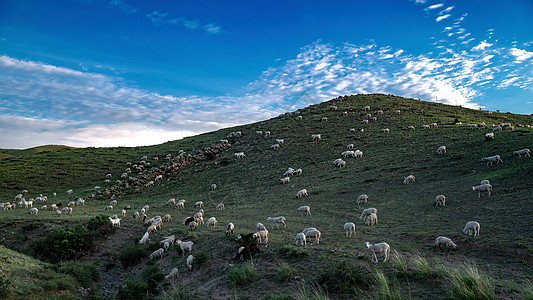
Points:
[372,219]
[109,207]
[44,207]
[69,192]
[278,220]
[364,122]
[301,193]
[441,150]
[368,116]
[170,239]
[145,208]
[72,203]
[489,136]
[213,186]
[333,107]
[304,209]
[190,261]
[260,227]
[379,112]
[472,227]
[280,141]
[193,225]
[363,198]
[444,241]
[136,215]
[358,153]
[433,125]
[385,130]
[425,126]
[398,112]
[180,204]
[497,128]
[300,238]
[58,213]
[34,211]
[339,163]
[380,248]
[224,142]
[247,251]
[411,127]
[220,206]
[114,202]
[349,229]
[166,245]
[366,213]
[185,246]
[229,228]
[198,204]
[485,181]
[483,188]
[408,179]
[525,152]
[314,235]
[211,222]
[366,107]
[289,172]
[80,202]
[159,252]
[315,137]
[440,200]
[171,201]
[123,212]
[285,180]
[145,238]
[348,153]
[258,132]
[167,218]
[297,172]
[115,222]
[188,220]
[239,154]
[261,236]
[459,123]
[350,146]
[491,159]
[173,275]
[151,229]
[275,146]
[54,207]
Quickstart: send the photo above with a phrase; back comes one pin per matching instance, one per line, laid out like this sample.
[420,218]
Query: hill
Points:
[250,189]
[33,150]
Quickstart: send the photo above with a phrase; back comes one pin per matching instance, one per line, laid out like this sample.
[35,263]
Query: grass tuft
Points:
[285,272]
[384,290]
[423,267]
[242,274]
[400,263]
[466,283]
[312,292]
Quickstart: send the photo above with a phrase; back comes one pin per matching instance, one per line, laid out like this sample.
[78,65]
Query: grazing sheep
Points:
[115,222]
[44,207]
[459,123]
[441,150]
[472,227]
[285,180]
[316,137]
[397,111]
[275,146]
[261,236]
[339,163]
[72,203]
[491,159]
[136,215]
[211,222]
[525,152]
[166,245]
[171,201]
[213,186]
[180,204]
[198,204]
[386,130]
[173,275]
[190,261]
[58,213]
[446,242]
[408,179]
[188,220]
[324,119]
[411,127]
[300,239]
[433,125]
[145,238]
[260,227]
[372,219]
[220,206]
[240,154]
[114,202]
[380,248]
[440,200]
[489,136]
[313,235]
[349,229]
[34,211]
[229,228]
[297,172]
[483,188]
[485,181]
[152,229]
[123,212]
[193,225]
[109,207]
[379,112]
[159,252]
[366,107]
[301,193]
[350,146]
[304,209]
[167,218]
[278,220]
[364,122]
[69,192]
[185,246]
[348,153]
[362,199]
[497,128]
[366,213]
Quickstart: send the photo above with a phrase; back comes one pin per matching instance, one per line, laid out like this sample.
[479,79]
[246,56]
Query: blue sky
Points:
[128,73]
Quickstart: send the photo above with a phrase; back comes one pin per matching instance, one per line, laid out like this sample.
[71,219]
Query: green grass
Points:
[242,274]
[466,283]
[384,289]
[285,272]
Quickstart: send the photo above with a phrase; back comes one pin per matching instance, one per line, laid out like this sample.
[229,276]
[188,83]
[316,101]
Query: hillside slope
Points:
[250,189]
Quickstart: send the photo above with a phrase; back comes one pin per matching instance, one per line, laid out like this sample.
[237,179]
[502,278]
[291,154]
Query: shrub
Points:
[65,244]
[133,291]
[152,275]
[344,277]
[100,225]
[467,283]
[85,273]
[131,255]
[199,259]
[290,251]
[285,272]
[242,274]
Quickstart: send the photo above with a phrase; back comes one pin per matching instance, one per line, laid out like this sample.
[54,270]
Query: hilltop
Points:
[250,189]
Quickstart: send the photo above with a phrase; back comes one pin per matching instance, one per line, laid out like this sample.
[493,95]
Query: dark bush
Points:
[131,255]
[5,292]
[133,291]
[101,226]
[64,244]
[342,276]
[152,275]
[85,273]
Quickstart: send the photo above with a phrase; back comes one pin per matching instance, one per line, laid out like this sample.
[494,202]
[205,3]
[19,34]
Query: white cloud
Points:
[482,46]
[161,18]
[446,10]
[520,54]
[435,6]
[440,18]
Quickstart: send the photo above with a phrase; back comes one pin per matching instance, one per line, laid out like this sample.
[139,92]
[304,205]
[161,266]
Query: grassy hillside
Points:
[34,150]
[407,217]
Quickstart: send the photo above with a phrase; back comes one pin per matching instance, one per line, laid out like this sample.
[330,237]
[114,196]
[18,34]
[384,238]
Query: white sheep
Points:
[491,159]
[190,261]
[275,146]
[34,211]
[166,245]
[366,213]
[136,215]
[171,201]
[285,180]
[185,246]
[350,146]
[261,236]
[145,238]
[349,229]
[159,252]
[316,137]
[485,181]
[278,220]
[300,239]
[313,235]
[180,204]
[123,212]
[297,172]
[372,219]
[385,130]
[444,241]
[69,192]
[304,209]
[80,202]
[324,119]
[489,136]
[109,207]
[211,222]
[71,203]
[472,227]
[260,227]
[170,239]
[525,152]
[440,200]
[289,172]
[441,150]
[151,229]
[411,127]
[167,218]
[358,153]
[483,188]
[58,213]
[339,163]
[366,107]
[364,122]
[280,141]
[220,206]
[115,222]
[408,179]
[229,228]
[193,225]
[363,198]
[497,128]
[301,193]
[114,202]
[380,248]
[240,154]
[173,275]
[348,153]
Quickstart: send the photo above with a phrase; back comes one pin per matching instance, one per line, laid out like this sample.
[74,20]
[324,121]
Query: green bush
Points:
[100,225]
[64,244]
[199,259]
[285,272]
[131,255]
[85,273]
[242,274]
[133,291]
[152,275]
[344,277]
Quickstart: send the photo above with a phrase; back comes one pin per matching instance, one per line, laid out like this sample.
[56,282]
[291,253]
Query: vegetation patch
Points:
[285,272]
[345,277]
[465,282]
[133,291]
[242,274]
[131,255]
[64,244]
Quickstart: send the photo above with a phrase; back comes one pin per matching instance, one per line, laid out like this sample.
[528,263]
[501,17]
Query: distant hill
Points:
[34,150]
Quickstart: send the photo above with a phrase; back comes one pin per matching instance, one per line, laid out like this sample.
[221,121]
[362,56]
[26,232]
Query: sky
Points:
[134,72]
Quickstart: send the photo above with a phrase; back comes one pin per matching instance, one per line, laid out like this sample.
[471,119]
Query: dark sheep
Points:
[247,252]
[188,220]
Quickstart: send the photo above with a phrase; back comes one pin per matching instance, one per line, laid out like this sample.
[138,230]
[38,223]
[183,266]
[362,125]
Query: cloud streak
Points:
[161,18]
